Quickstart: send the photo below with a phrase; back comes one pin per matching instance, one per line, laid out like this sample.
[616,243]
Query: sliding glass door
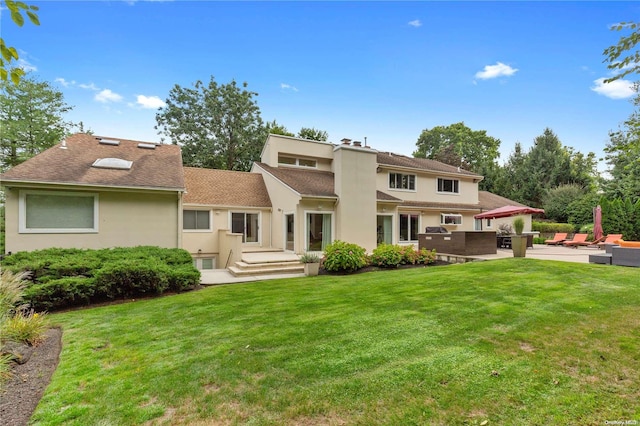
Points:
[318,231]
[246,224]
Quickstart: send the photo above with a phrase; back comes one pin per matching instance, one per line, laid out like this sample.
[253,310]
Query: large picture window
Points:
[58,212]
[408,227]
[402,181]
[450,219]
[449,186]
[196,220]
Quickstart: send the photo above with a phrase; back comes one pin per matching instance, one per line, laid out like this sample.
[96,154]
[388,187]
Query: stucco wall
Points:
[426,188]
[207,241]
[125,219]
[321,151]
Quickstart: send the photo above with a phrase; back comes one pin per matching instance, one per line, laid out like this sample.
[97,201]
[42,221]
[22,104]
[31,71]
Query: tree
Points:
[313,134]
[277,129]
[614,55]
[557,200]
[218,125]
[9,54]
[459,146]
[31,119]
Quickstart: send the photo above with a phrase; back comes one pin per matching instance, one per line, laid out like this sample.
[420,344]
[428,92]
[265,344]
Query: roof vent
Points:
[346,141]
[147,145]
[112,163]
[109,142]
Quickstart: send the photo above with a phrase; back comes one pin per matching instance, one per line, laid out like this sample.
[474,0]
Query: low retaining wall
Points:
[463,243]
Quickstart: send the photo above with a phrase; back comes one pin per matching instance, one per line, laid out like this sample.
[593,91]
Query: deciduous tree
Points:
[313,134]
[217,125]
[459,146]
[624,57]
[9,54]
[31,119]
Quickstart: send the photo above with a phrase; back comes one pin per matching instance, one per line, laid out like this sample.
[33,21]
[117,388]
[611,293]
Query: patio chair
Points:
[558,238]
[611,239]
[593,243]
[577,240]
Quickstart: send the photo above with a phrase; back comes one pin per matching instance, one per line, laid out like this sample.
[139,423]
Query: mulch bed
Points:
[24,389]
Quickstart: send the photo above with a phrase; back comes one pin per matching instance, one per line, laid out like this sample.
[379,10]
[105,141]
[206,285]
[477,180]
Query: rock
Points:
[19,352]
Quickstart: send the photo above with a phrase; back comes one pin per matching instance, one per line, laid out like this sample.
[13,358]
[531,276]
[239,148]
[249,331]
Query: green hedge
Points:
[392,256]
[68,277]
[552,227]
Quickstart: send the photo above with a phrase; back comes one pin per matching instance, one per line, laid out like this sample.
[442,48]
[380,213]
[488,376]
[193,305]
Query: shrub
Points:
[183,278]
[344,257]
[426,257]
[409,255]
[11,291]
[62,292]
[518,225]
[552,228]
[387,256]
[26,326]
[132,276]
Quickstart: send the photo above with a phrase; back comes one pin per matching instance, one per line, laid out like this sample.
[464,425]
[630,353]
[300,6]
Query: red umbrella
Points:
[507,211]
[597,223]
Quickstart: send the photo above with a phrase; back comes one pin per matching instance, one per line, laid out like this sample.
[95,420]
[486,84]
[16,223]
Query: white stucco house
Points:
[95,192]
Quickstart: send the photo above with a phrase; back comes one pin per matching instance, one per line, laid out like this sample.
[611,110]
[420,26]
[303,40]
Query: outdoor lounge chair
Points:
[593,243]
[611,239]
[577,240]
[557,239]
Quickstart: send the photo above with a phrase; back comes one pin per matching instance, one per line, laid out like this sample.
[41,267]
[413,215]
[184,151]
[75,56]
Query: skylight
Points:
[112,163]
[109,142]
[147,145]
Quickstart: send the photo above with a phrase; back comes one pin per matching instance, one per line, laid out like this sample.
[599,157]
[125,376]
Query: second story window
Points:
[402,181]
[449,186]
[294,161]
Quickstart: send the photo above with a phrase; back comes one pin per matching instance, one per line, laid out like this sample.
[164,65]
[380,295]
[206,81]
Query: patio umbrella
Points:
[507,211]
[597,223]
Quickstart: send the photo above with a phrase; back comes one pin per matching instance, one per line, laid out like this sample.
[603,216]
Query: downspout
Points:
[179,220]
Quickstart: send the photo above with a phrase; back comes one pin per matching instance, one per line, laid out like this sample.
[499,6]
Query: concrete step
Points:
[242,272]
[258,258]
[267,265]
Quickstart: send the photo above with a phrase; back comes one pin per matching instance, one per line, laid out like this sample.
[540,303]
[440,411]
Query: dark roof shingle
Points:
[390,159]
[159,168]
[315,183]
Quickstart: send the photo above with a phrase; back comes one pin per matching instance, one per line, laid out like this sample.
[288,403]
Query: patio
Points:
[545,252]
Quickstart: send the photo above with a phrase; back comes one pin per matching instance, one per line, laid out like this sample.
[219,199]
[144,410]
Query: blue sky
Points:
[380,70]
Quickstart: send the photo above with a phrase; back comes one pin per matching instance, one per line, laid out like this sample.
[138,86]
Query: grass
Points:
[514,341]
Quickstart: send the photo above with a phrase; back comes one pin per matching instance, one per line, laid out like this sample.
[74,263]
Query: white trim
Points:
[446,192]
[415,182]
[197,230]
[22,213]
[284,231]
[409,213]
[244,234]
[306,228]
[442,221]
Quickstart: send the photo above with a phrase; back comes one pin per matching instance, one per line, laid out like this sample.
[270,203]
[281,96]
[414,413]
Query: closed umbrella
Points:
[597,223]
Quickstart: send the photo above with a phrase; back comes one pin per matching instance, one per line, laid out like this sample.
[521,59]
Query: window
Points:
[451,186]
[402,181]
[293,161]
[408,227]
[57,212]
[450,219]
[318,227]
[196,220]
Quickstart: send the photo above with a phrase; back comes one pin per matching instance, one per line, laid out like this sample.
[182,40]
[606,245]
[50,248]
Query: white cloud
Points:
[26,65]
[150,102]
[415,23]
[495,71]
[618,89]
[286,86]
[89,86]
[107,96]
[64,82]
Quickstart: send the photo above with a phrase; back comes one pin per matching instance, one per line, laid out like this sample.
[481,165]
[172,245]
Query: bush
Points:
[67,277]
[130,277]
[387,256]
[426,257]
[26,326]
[11,291]
[551,228]
[62,292]
[340,256]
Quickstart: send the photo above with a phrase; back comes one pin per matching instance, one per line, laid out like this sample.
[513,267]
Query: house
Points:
[300,196]
[93,192]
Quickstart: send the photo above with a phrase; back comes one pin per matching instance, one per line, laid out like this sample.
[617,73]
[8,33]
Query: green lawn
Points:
[515,341]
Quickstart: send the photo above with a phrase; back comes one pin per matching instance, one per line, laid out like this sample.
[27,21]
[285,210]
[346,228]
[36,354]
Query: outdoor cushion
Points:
[622,243]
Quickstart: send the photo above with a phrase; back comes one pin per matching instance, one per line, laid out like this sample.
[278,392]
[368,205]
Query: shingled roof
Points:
[154,166]
[313,183]
[391,159]
[490,201]
[225,188]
